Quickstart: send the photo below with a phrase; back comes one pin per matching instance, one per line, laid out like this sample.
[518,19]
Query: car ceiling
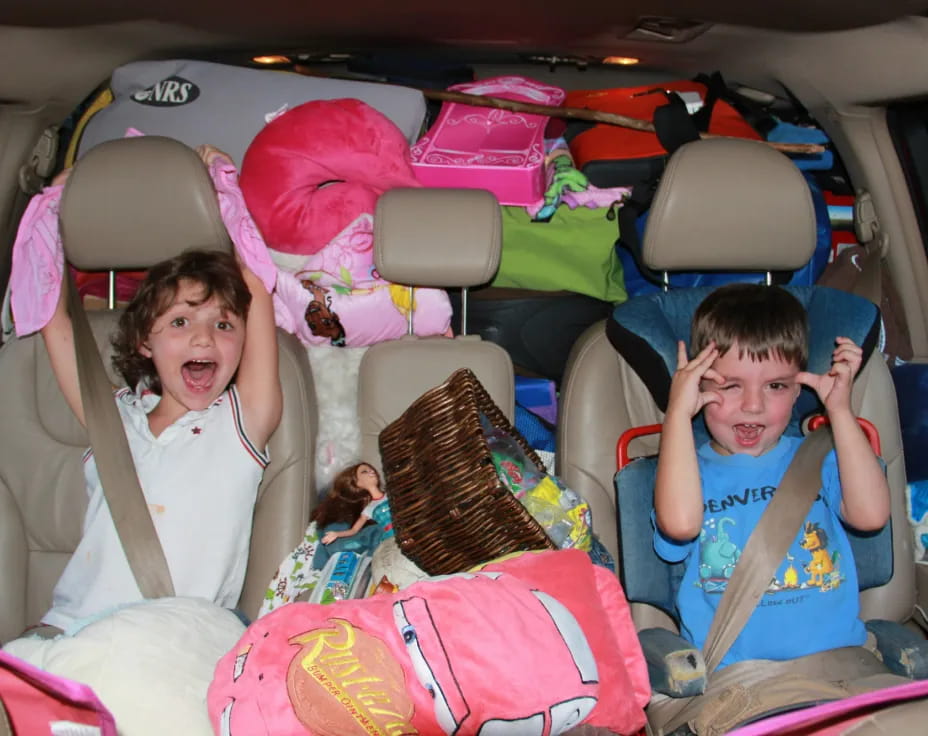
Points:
[445,21]
[57,52]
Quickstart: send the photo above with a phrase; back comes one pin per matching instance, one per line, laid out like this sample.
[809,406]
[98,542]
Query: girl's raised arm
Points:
[258,379]
[59,342]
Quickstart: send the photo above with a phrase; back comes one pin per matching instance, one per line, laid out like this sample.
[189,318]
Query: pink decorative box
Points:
[487,148]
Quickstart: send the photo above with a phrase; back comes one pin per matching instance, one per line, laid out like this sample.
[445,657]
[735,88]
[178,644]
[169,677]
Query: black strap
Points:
[756,114]
[674,125]
[632,208]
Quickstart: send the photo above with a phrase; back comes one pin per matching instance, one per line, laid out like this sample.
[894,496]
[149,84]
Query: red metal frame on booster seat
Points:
[621,448]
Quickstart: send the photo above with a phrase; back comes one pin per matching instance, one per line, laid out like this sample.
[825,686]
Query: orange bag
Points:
[613,156]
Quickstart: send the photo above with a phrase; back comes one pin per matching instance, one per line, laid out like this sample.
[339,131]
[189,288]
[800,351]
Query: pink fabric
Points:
[35,699]
[835,717]
[38,256]
[238,221]
[38,263]
[440,656]
[336,296]
[346,259]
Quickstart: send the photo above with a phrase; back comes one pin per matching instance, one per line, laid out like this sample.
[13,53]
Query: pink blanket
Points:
[840,716]
[37,701]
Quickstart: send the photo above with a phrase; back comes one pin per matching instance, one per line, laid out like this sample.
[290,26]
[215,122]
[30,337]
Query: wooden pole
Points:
[571,113]
[593,116]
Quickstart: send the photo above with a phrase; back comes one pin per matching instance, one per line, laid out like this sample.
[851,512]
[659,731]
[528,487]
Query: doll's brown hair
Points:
[216,271]
[345,501]
[765,322]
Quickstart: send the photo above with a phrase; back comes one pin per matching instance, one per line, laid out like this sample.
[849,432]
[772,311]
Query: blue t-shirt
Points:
[812,602]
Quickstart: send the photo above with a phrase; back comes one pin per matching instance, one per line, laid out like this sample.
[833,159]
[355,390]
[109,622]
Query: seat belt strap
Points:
[869,283]
[115,466]
[874,242]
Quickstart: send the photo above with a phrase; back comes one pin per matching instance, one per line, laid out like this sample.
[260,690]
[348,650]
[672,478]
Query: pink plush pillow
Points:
[450,655]
[312,171]
[595,597]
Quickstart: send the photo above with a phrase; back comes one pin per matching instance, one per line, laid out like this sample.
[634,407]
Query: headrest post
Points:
[409,317]
[665,281]
[111,290]
[769,278]
[464,291]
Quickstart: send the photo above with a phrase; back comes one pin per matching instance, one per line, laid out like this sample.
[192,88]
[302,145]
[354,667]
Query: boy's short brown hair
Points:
[216,271]
[765,321]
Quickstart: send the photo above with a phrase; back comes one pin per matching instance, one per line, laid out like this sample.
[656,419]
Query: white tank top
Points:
[200,478]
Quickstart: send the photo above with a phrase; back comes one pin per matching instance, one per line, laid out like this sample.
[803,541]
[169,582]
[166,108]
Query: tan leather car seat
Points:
[445,238]
[128,204]
[721,204]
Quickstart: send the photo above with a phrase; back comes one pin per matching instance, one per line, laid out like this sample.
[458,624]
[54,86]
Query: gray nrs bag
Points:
[203,102]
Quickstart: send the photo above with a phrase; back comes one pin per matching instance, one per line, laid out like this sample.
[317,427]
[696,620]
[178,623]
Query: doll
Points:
[354,516]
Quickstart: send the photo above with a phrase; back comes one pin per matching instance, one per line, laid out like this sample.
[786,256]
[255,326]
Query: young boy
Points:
[750,345]
[197,347]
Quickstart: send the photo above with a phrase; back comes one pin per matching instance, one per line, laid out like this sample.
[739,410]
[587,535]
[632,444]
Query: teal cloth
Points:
[364,542]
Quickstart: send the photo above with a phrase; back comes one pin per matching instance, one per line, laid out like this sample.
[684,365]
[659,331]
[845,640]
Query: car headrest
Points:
[133,202]
[730,204]
[437,237]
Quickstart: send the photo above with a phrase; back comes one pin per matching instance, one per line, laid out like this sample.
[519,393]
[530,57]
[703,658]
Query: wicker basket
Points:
[450,510]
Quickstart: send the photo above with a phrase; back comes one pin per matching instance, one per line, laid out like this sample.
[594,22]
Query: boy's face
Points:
[756,405]
[196,349]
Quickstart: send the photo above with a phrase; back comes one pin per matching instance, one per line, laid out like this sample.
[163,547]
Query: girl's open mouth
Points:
[198,374]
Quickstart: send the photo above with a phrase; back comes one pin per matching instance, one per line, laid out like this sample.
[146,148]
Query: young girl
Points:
[197,347]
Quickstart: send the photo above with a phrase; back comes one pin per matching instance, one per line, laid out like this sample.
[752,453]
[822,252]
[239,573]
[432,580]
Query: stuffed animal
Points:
[312,171]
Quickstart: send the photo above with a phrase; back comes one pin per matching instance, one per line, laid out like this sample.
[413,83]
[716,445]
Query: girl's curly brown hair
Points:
[216,271]
[345,500]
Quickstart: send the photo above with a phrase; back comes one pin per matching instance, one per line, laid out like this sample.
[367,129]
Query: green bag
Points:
[573,251]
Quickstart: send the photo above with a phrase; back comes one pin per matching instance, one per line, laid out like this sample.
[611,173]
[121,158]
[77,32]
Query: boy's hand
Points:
[685,392]
[834,388]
